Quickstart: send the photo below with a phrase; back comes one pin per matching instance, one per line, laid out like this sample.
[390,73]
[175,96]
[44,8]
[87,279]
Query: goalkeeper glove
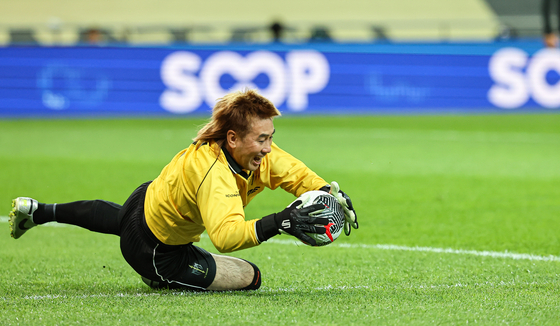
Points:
[294,221]
[350,217]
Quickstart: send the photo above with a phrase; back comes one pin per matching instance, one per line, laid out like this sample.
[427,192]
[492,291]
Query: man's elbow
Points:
[223,249]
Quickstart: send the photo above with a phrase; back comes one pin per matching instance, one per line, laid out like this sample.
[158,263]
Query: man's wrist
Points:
[266,228]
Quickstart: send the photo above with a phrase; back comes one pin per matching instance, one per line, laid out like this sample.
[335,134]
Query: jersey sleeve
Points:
[291,174]
[221,209]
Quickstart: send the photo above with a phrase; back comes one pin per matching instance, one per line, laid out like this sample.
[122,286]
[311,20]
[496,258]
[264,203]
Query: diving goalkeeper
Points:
[205,187]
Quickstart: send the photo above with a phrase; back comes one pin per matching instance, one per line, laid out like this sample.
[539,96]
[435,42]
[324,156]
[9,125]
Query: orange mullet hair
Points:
[235,112]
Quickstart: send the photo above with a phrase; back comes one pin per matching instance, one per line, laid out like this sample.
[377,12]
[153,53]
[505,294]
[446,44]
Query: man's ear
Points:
[231,139]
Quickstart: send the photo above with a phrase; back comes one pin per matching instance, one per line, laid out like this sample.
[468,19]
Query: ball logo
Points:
[518,78]
[290,80]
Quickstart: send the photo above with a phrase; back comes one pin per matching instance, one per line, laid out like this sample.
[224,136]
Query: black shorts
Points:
[183,266]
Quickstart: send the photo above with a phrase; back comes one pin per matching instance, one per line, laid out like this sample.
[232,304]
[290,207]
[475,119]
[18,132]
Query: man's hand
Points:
[296,221]
[350,217]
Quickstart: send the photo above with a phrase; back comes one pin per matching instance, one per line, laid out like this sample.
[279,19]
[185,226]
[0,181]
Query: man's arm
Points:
[221,209]
[285,171]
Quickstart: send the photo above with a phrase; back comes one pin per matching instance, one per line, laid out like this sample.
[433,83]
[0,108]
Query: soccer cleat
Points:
[162,284]
[150,283]
[154,284]
[21,216]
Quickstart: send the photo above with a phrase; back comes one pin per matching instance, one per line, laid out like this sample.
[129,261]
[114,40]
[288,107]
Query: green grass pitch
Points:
[459,223]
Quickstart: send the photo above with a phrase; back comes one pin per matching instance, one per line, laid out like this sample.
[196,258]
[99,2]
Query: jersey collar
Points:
[233,166]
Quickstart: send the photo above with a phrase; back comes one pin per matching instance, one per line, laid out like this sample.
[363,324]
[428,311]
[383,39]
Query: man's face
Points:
[249,150]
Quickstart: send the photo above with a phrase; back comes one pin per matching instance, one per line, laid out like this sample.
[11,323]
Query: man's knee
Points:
[256,282]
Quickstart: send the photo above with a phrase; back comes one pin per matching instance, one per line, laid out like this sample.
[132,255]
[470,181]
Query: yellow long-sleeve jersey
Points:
[203,188]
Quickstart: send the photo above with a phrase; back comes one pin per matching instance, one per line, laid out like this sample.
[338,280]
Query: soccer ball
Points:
[333,212]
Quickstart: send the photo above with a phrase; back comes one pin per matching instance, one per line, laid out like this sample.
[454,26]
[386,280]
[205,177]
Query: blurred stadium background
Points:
[146,21]
[153,22]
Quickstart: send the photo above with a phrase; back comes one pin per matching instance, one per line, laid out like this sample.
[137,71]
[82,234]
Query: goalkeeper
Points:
[205,187]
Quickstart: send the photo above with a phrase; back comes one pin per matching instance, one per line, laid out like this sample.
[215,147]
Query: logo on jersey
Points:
[251,191]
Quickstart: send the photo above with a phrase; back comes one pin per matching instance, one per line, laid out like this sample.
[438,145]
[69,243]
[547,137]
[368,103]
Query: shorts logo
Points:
[197,269]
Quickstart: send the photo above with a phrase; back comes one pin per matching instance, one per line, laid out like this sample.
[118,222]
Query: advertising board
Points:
[299,79]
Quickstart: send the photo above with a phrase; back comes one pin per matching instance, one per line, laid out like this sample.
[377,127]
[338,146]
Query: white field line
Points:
[264,289]
[491,254]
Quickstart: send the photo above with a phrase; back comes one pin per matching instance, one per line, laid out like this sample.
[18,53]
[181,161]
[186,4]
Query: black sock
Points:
[44,213]
[95,215]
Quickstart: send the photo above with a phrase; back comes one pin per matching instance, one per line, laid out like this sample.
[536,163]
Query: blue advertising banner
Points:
[308,79]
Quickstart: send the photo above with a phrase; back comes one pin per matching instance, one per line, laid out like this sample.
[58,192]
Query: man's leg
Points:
[94,215]
[235,274]
[192,268]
